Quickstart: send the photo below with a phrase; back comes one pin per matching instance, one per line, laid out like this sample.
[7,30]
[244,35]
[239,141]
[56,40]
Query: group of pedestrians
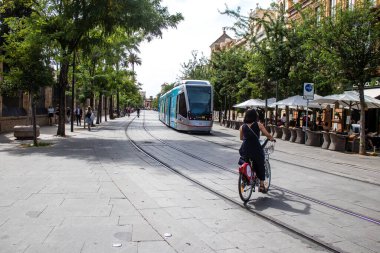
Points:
[53,114]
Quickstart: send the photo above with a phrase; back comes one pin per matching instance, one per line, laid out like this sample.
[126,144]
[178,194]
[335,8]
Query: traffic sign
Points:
[308,91]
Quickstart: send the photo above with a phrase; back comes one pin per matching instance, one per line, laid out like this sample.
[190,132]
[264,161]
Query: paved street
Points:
[93,191]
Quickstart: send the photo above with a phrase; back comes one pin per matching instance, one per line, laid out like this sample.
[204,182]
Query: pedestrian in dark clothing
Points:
[78,115]
[68,114]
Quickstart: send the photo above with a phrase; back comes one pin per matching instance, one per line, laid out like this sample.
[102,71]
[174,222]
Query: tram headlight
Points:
[190,115]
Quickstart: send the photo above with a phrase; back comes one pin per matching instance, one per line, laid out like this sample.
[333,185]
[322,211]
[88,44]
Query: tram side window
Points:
[182,110]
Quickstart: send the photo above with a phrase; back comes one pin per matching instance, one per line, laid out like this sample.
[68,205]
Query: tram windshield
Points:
[199,101]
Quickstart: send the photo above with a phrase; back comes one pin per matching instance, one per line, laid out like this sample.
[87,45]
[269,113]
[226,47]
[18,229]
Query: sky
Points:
[202,25]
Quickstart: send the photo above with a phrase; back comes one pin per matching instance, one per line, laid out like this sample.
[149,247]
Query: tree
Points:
[274,53]
[196,68]
[352,36]
[134,59]
[67,22]
[229,73]
[313,64]
[28,62]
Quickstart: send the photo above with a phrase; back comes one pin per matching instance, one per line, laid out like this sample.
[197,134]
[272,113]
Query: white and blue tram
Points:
[188,106]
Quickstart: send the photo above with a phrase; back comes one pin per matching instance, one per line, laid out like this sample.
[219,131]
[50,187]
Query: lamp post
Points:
[276,101]
[72,95]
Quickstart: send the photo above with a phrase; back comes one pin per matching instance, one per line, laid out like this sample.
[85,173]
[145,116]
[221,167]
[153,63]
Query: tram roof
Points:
[202,82]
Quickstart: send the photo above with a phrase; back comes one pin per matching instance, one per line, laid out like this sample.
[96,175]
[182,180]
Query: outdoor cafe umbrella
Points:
[251,103]
[349,99]
[254,102]
[297,100]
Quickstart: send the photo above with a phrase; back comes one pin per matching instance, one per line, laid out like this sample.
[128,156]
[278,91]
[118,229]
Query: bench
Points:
[25,132]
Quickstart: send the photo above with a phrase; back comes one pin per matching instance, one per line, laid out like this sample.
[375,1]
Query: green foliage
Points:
[26,57]
[167,87]
[196,68]
[352,37]
[68,24]
[229,75]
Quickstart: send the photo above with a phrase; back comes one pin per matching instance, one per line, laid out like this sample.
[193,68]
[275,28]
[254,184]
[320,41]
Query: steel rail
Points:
[316,201]
[270,219]
[297,165]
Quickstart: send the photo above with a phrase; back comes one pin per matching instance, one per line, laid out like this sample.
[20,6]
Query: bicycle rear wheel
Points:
[245,188]
[268,173]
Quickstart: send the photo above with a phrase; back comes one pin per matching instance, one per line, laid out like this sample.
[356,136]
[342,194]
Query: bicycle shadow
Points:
[277,199]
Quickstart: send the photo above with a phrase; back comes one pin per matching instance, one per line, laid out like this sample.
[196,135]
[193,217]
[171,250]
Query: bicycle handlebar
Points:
[265,143]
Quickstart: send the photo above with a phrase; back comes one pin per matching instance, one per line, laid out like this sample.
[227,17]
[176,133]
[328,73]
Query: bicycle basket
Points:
[269,148]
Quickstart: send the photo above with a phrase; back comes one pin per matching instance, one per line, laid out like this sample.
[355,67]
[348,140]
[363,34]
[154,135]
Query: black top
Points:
[251,147]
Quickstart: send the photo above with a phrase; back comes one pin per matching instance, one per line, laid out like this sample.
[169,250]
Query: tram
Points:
[188,106]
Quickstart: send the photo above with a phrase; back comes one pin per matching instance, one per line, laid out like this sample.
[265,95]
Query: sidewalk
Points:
[352,165]
[63,197]
[47,134]
[92,191]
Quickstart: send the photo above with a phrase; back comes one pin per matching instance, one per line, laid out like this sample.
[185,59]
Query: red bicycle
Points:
[248,180]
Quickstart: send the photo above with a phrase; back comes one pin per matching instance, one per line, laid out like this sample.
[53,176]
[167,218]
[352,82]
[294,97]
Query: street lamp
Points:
[72,95]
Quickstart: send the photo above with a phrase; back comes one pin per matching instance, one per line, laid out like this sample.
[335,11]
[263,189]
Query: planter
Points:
[25,132]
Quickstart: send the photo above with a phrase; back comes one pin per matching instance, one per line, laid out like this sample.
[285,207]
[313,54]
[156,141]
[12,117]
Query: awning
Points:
[375,92]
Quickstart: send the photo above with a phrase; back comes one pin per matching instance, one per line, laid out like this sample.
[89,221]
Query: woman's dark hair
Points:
[250,116]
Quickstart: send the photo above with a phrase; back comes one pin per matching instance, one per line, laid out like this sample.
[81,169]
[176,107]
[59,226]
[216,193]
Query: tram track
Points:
[295,231]
[302,196]
[298,165]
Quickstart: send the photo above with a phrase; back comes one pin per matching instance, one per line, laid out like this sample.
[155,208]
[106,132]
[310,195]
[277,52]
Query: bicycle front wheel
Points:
[245,188]
[268,173]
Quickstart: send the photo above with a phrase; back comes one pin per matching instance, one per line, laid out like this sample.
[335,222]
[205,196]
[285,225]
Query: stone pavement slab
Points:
[92,189]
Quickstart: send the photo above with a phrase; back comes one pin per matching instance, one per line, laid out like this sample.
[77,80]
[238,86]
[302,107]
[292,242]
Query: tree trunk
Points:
[118,103]
[99,108]
[105,108]
[225,108]
[35,143]
[63,75]
[362,149]
[111,107]
[229,107]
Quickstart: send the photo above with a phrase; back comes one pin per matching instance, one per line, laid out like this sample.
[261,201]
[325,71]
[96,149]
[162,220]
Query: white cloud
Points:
[162,58]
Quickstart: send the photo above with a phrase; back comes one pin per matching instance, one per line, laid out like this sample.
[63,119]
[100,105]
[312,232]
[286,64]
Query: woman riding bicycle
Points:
[251,148]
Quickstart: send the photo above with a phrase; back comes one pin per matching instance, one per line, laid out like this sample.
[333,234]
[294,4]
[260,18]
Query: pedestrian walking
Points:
[68,115]
[78,115]
[56,118]
[50,115]
[88,119]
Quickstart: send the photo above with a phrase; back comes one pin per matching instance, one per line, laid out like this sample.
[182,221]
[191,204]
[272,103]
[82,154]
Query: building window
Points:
[351,4]
[182,110]
[332,8]
[318,14]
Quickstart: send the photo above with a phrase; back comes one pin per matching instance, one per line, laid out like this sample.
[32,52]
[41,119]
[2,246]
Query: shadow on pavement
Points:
[278,199]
